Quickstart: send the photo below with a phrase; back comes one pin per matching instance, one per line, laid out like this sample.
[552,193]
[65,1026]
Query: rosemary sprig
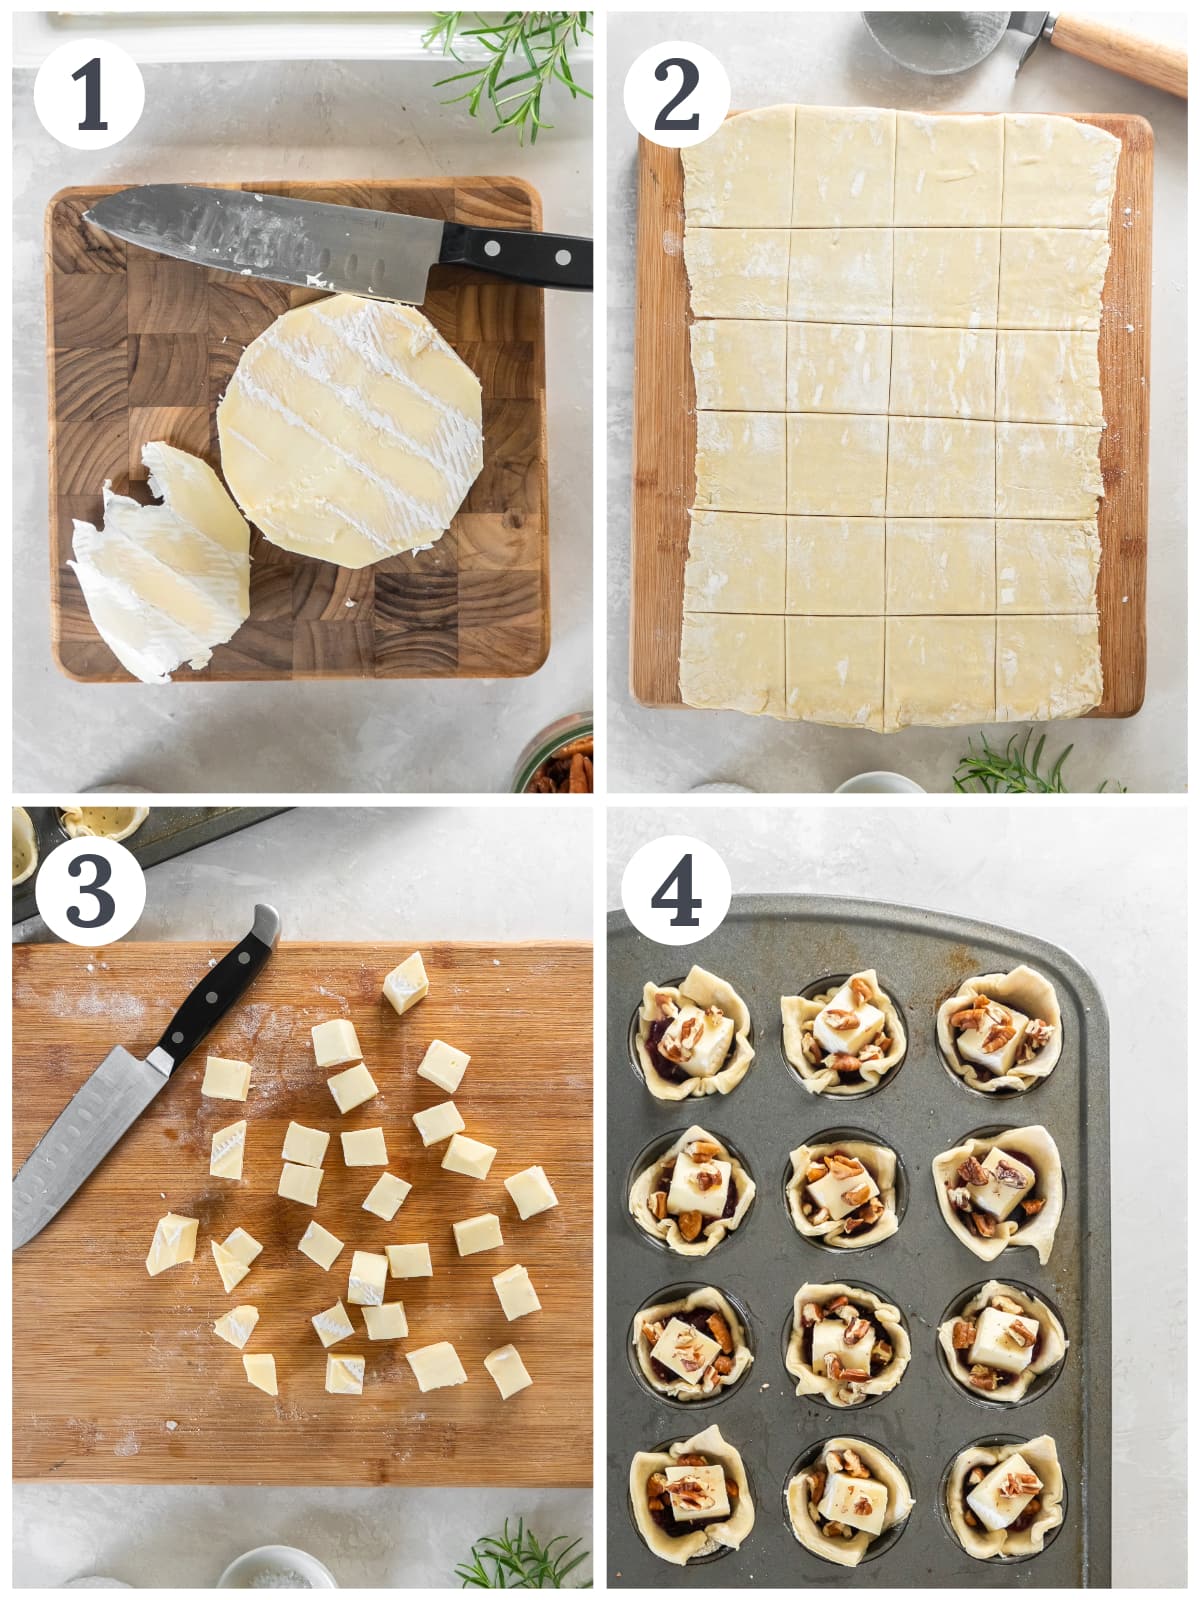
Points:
[538,43]
[520,1561]
[1013,770]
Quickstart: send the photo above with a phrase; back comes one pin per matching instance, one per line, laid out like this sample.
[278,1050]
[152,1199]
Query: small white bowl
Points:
[879,783]
[281,1558]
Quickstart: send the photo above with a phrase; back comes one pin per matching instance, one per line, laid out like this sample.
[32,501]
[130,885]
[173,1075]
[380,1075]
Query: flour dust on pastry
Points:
[694,1038]
[692,1195]
[847,1344]
[1005,1189]
[843,1041]
[852,1495]
[691,1499]
[1001,1341]
[842,1192]
[692,1347]
[1004,1500]
[1002,1031]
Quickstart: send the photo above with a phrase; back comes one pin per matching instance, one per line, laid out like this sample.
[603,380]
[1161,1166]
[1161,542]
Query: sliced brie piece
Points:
[701,1186]
[231,1269]
[436,1123]
[305,1147]
[260,1370]
[856,1502]
[829,1339]
[697,1492]
[386,1321]
[243,1246]
[300,1183]
[228,1151]
[236,1326]
[444,1065]
[409,1260]
[1004,1030]
[226,1080]
[999,1499]
[406,984]
[518,1297]
[352,1088]
[697,1041]
[508,1370]
[173,1244]
[333,1325]
[1000,1196]
[685,1350]
[321,1246]
[531,1192]
[471,1157]
[344,1374]
[368,1275]
[335,1043]
[997,1346]
[364,1147]
[387,1196]
[864,1022]
[841,1196]
[474,1234]
[436,1366]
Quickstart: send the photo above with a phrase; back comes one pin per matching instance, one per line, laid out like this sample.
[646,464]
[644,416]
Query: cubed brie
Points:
[829,1338]
[261,1372]
[868,1022]
[697,1492]
[701,1186]
[333,1324]
[387,1196]
[368,1274]
[236,1326]
[517,1294]
[344,1374]
[508,1370]
[173,1244]
[994,1346]
[365,1147]
[231,1269]
[436,1123]
[531,1192]
[477,1233]
[335,1043]
[436,1366]
[988,1500]
[352,1088]
[409,1260]
[386,1321]
[225,1080]
[406,984]
[300,1183]
[971,1040]
[857,1502]
[321,1246]
[305,1146]
[685,1350]
[228,1150]
[998,1199]
[469,1156]
[444,1065]
[697,1041]
[831,1193]
[243,1246]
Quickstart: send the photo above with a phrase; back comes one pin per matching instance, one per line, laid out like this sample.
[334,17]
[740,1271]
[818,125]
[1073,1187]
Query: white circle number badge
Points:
[676,94]
[89,94]
[91,891]
[676,890]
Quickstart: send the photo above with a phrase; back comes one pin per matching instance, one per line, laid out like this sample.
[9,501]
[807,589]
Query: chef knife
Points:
[383,255]
[122,1086]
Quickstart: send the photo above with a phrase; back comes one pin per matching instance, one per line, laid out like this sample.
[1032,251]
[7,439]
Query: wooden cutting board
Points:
[106,1357]
[664,437]
[141,347]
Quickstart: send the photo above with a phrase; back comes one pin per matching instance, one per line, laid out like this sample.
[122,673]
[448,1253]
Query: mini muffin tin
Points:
[769,946]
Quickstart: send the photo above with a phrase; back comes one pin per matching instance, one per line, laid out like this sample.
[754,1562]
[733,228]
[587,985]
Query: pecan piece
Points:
[833,1461]
[861,990]
[976,1475]
[853,1464]
[853,1223]
[981,1377]
[707,1178]
[722,1366]
[656,1483]
[656,1503]
[832,1530]
[833,1367]
[690,1223]
[1020,1335]
[959,1198]
[838,1302]
[842,1021]
[1006,1173]
[658,1204]
[969,1517]
[1004,1302]
[816,1172]
[810,1313]
[973,1173]
[731,1489]
[881,1352]
[1032,1207]
[857,1196]
[720,1331]
[810,1049]
[963,1336]
[844,1166]
[695,1460]
[856,1331]
[863,1506]
[985,1226]
[704,1150]
[842,1062]
[997,1036]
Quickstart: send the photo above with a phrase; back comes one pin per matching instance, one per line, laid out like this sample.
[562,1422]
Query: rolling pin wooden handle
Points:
[1162,66]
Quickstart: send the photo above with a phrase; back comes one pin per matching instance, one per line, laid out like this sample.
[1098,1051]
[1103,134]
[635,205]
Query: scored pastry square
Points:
[741,176]
[835,670]
[836,464]
[943,372]
[736,662]
[741,461]
[1047,667]
[835,566]
[949,171]
[940,672]
[739,366]
[945,277]
[840,275]
[845,167]
[1058,173]
[736,562]
[1047,471]
[1051,278]
[836,366]
[1048,377]
[1046,567]
[941,467]
[941,568]
[738,272]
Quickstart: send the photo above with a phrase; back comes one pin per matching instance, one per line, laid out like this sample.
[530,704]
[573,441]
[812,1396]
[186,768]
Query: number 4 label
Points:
[676,890]
[91,891]
[676,93]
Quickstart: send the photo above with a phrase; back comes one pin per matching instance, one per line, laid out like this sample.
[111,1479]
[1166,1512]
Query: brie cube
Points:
[436,1123]
[970,1042]
[352,1088]
[868,1021]
[173,1244]
[857,1502]
[344,1374]
[335,1043]
[688,1191]
[333,1324]
[365,1147]
[831,1193]
[685,1350]
[305,1146]
[406,984]
[993,1347]
[696,1041]
[236,1326]
[225,1080]
[243,1246]
[388,1195]
[517,1295]
[231,1269]
[994,1508]
[469,1156]
[829,1339]
[436,1366]
[444,1065]
[998,1199]
[228,1150]
[531,1192]
[321,1246]
[508,1370]
[368,1274]
[706,1493]
[409,1260]
[386,1322]
[478,1233]
[261,1372]
[300,1183]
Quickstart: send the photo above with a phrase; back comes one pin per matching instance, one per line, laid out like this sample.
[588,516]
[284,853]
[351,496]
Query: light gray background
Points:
[1108,885]
[332,874]
[313,120]
[827,58]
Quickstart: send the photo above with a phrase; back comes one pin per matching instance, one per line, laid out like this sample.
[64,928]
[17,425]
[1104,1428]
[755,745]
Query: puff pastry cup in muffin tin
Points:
[693,1038]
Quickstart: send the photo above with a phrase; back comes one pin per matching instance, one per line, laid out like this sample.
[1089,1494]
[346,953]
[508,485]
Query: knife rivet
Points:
[243,957]
[212,997]
[563,258]
[492,247]
[177,1037]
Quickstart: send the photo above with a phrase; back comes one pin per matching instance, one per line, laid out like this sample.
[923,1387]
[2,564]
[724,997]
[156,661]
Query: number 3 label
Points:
[91,891]
[676,890]
[676,93]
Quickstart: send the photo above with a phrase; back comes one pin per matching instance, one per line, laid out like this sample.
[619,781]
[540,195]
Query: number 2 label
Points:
[676,93]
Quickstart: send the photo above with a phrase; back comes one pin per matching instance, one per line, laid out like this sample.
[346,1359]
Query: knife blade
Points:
[381,255]
[122,1086]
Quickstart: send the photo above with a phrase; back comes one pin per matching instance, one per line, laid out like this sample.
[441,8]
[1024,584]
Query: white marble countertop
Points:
[826,58]
[1108,886]
[332,874]
[312,120]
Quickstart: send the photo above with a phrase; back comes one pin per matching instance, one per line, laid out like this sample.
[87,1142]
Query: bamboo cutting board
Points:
[664,439]
[141,347]
[106,1357]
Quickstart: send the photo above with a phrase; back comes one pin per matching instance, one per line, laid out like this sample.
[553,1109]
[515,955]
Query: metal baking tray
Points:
[768,946]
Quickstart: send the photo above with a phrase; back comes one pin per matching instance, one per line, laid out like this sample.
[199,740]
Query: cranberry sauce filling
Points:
[665,1069]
